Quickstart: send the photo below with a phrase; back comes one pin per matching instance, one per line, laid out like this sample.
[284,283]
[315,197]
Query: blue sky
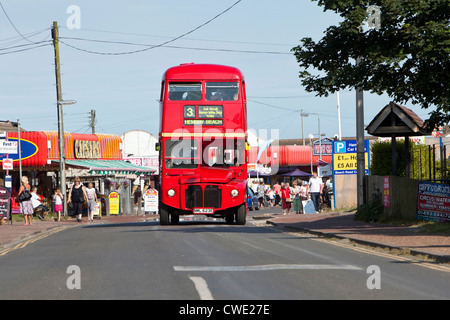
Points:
[124,89]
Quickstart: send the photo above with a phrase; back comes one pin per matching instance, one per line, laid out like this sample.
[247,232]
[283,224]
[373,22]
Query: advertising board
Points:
[433,201]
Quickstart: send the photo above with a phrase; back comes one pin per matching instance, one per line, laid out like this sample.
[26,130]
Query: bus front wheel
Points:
[163,214]
[240,215]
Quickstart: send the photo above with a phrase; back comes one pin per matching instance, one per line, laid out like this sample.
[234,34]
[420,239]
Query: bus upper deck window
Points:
[222,91]
[185,91]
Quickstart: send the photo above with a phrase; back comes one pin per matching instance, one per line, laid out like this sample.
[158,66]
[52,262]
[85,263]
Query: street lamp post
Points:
[310,143]
[62,157]
[318,123]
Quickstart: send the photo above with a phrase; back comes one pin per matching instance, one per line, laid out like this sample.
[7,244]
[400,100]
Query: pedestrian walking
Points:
[58,199]
[277,191]
[270,197]
[294,191]
[25,201]
[91,198]
[315,189]
[77,196]
[285,199]
[303,194]
[260,194]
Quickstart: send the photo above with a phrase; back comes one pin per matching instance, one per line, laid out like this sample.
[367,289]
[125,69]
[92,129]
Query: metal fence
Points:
[429,163]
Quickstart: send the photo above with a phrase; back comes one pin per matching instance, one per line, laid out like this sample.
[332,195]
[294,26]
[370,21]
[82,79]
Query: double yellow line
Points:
[23,244]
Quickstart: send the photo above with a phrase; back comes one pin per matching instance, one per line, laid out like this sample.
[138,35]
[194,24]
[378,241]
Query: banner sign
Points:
[433,202]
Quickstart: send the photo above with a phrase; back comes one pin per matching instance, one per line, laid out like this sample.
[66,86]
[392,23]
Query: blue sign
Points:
[345,159]
[348,146]
[27,149]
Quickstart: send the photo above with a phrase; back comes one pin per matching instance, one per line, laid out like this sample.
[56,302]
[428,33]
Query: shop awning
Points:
[109,167]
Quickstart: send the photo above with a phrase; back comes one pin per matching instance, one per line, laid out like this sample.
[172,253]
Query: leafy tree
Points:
[407,57]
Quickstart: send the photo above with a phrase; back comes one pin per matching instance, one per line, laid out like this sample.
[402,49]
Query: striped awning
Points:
[108,167]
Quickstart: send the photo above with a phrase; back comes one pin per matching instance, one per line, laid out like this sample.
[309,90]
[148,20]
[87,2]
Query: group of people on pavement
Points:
[30,202]
[286,196]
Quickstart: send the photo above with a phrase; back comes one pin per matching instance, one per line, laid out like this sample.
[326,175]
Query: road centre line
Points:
[202,288]
[268,267]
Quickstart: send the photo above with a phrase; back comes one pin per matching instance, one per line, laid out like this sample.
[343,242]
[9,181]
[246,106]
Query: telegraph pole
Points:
[360,154]
[303,128]
[93,121]
[62,174]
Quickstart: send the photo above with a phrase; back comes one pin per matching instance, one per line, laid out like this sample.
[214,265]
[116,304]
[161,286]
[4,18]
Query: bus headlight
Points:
[234,193]
[171,192]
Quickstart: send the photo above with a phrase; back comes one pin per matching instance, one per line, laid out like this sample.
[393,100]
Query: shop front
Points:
[275,163]
[95,158]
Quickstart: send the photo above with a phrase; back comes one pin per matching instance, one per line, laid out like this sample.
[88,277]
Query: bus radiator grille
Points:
[213,197]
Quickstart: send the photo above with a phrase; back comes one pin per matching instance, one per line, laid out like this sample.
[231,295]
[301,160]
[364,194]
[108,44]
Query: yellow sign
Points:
[114,203]
[347,161]
[203,122]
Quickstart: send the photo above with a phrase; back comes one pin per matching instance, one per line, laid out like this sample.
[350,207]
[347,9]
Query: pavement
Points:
[404,240]
[395,238]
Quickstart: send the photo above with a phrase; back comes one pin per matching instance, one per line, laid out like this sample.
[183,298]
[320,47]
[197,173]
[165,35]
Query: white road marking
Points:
[267,267]
[202,288]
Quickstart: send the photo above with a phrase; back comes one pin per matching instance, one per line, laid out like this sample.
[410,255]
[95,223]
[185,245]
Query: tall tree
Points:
[407,57]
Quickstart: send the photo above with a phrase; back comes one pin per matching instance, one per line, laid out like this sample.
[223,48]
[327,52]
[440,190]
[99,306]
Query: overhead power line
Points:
[46,43]
[12,24]
[151,46]
[12,40]
[290,45]
[161,44]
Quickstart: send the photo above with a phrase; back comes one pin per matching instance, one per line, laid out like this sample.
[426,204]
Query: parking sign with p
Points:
[339,147]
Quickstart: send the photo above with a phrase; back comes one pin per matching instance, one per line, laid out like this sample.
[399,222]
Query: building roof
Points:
[9,126]
[395,119]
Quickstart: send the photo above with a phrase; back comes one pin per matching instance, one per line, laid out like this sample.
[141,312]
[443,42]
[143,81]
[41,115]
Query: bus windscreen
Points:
[185,91]
[222,91]
[181,154]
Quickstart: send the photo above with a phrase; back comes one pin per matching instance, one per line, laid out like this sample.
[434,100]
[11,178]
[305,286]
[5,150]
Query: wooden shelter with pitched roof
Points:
[395,120]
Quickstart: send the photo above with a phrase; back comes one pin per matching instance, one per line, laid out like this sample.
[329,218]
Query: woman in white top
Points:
[92,197]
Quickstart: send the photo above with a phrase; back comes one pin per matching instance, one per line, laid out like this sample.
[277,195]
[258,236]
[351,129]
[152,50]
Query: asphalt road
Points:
[208,260]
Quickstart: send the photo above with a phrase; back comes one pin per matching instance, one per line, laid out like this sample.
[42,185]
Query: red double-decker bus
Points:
[203,143]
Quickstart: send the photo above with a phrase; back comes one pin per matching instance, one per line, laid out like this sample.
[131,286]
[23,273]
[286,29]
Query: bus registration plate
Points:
[203,210]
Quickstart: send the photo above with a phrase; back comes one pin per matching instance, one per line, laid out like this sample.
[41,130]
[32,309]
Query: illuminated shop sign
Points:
[86,149]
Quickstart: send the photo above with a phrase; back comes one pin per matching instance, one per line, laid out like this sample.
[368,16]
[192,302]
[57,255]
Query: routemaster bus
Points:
[203,143]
